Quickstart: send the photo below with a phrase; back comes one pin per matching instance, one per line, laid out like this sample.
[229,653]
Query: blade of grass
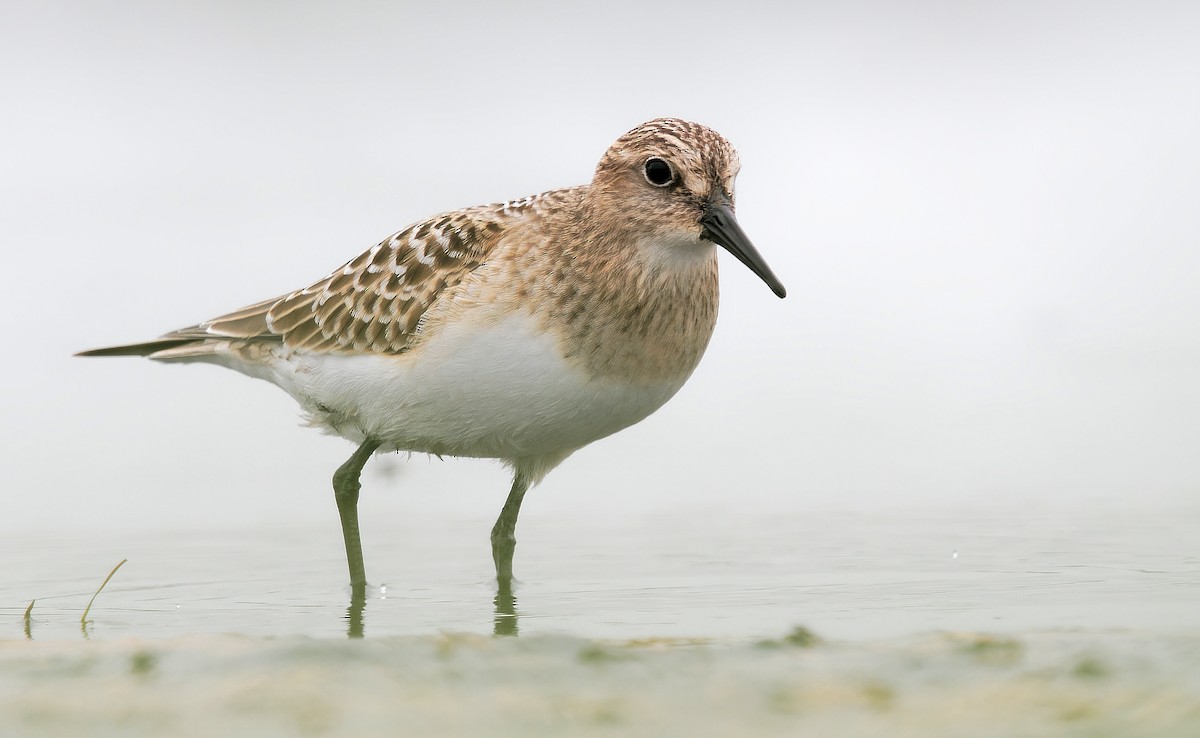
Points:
[28,620]
[86,610]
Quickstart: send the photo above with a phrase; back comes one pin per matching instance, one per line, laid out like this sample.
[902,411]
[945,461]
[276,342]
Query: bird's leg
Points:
[504,623]
[345,490]
[354,613]
[504,538]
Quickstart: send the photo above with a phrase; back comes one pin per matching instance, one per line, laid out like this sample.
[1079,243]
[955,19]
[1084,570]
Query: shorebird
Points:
[519,331]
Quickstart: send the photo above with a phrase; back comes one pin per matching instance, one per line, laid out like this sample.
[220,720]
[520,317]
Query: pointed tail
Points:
[140,349]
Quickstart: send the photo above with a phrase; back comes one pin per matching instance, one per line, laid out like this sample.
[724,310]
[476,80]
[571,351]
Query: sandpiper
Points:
[520,331]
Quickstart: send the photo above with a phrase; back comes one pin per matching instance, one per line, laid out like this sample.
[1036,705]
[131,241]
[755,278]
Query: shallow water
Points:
[992,621]
[847,575]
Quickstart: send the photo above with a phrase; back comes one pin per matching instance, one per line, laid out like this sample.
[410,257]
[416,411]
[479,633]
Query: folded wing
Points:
[373,303]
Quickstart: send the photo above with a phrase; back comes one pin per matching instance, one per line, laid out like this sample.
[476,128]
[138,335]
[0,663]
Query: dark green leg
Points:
[504,623]
[504,538]
[354,613]
[504,543]
[345,490]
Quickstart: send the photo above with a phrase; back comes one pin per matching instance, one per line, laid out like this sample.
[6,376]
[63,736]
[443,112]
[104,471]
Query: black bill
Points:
[721,227]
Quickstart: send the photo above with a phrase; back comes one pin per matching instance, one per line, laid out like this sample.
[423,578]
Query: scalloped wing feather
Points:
[375,302]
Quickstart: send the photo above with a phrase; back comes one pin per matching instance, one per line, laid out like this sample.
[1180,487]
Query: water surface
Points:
[847,575]
[993,620]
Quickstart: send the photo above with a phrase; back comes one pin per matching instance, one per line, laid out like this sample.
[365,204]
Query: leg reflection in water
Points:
[354,613]
[505,621]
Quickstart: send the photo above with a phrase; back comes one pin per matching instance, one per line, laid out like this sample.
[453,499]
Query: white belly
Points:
[485,388]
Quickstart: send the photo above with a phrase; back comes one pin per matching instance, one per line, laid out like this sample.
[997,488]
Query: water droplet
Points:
[955,554]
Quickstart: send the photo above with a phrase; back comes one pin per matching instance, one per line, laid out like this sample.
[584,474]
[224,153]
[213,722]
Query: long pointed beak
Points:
[721,227]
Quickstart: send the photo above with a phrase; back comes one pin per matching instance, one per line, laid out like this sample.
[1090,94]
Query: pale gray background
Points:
[986,215]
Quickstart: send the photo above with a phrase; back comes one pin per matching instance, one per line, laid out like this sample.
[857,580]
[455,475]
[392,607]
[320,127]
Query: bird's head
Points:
[675,179]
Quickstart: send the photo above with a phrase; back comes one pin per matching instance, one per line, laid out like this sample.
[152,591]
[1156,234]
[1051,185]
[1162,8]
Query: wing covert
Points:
[374,302]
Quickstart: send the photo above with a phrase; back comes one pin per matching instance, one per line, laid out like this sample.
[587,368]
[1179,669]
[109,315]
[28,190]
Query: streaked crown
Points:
[698,156]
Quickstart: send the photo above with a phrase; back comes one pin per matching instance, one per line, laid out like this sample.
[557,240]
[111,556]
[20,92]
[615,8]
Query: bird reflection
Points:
[354,613]
[504,544]
[504,621]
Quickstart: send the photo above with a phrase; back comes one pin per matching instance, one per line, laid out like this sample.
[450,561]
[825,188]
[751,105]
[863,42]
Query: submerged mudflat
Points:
[1036,684]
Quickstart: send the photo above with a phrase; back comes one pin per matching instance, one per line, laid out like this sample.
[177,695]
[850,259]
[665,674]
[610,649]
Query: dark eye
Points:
[658,172]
